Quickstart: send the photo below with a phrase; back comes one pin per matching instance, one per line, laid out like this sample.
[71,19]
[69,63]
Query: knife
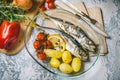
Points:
[66,5]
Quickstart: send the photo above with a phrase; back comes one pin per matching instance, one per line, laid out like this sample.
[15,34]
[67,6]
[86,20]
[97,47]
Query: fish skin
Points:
[77,33]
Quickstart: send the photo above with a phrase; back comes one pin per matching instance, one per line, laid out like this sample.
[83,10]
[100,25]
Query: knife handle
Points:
[81,13]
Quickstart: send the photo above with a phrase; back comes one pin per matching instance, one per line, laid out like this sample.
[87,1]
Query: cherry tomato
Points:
[41,56]
[48,1]
[48,44]
[51,5]
[37,44]
[42,8]
[40,36]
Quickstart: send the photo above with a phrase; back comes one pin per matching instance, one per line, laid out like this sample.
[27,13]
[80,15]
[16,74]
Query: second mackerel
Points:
[77,33]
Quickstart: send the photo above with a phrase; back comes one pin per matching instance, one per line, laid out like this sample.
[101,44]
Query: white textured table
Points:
[23,67]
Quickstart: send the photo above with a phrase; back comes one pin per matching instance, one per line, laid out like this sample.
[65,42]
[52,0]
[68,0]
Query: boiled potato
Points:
[54,62]
[76,64]
[66,57]
[53,53]
[65,68]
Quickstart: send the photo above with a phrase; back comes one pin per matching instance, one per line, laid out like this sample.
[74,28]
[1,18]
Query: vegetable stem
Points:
[11,12]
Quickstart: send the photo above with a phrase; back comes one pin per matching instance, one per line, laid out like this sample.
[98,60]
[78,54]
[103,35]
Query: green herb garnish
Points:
[10,12]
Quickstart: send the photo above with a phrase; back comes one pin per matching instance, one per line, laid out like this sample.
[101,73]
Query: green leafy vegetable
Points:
[10,12]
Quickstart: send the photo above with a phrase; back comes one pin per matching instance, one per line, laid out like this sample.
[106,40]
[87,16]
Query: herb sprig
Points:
[10,12]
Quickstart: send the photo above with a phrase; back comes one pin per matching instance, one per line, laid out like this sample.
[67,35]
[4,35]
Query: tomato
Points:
[42,8]
[9,33]
[41,56]
[48,44]
[51,5]
[36,44]
[48,1]
[40,36]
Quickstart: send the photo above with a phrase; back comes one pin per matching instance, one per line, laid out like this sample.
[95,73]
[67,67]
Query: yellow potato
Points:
[65,68]
[54,62]
[76,64]
[66,57]
[53,53]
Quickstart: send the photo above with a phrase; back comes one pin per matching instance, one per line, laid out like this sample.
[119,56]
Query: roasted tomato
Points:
[40,36]
[37,44]
[41,55]
[48,44]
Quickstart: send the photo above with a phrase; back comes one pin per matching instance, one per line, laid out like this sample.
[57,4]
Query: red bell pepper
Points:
[9,32]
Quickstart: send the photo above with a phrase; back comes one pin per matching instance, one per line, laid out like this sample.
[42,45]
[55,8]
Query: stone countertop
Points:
[23,67]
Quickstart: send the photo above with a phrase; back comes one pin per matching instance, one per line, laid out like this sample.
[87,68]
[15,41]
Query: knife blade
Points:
[66,5]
